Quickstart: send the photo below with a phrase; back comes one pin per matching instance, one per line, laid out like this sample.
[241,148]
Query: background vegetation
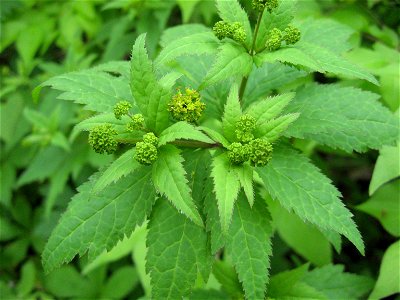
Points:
[43,159]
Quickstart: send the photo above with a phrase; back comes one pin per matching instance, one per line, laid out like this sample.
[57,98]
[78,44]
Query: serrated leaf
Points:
[169,79]
[273,129]
[93,223]
[215,135]
[347,118]
[169,179]
[299,186]
[177,250]
[150,96]
[230,11]
[245,175]
[226,188]
[232,60]
[226,275]
[182,130]
[98,91]
[122,166]
[232,113]
[177,32]
[249,244]
[194,44]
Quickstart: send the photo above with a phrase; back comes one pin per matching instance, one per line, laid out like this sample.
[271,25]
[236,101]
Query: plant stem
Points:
[182,143]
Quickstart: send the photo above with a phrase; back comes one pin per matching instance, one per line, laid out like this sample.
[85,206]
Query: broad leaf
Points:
[347,118]
[94,223]
[299,186]
[177,251]
[182,130]
[178,32]
[169,179]
[232,113]
[249,245]
[226,188]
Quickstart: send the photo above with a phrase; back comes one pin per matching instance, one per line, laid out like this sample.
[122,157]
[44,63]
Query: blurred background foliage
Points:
[42,162]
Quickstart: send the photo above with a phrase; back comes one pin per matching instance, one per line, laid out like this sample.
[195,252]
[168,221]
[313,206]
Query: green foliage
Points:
[182,130]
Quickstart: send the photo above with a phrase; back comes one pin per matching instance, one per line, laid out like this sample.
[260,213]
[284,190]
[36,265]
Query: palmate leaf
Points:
[169,179]
[182,130]
[151,97]
[347,118]
[94,223]
[177,252]
[232,113]
[249,245]
[299,186]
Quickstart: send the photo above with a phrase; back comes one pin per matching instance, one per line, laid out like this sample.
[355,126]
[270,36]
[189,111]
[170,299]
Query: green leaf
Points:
[226,188]
[215,135]
[150,96]
[120,284]
[232,113]
[232,60]
[178,32]
[299,186]
[250,246]
[336,284]
[176,252]
[27,282]
[387,167]
[273,129]
[98,91]
[95,223]
[347,118]
[384,205]
[388,280]
[230,11]
[187,8]
[226,275]
[182,130]
[245,175]
[195,44]
[122,166]
[169,179]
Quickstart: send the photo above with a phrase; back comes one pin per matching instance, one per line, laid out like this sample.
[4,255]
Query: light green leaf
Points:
[232,113]
[347,118]
[226,188]
[169,179]
[122,166]
[389,277]
[245,175]
[182,130]
[273,129]
[195,44]
[177,249]
[169,79]
[187,8]
[150,96]
[336,284]
[120,284]
[178,32]
[215,135]
[384,205]
[95,223]
[230,11]
[232,60]
[299,186]
[27,282]
[387,167]
[250,246]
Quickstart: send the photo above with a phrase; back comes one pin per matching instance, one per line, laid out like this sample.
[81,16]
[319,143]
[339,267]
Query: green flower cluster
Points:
[233,31]
[260,152]
[291,35]
[146,151]
[269,5]
[121,109]
[101,138]
[186,107]
[238,153]
[274,39]
[136,123]
[244,128]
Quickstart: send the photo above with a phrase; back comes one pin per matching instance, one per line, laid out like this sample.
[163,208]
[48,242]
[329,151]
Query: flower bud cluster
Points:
[269,5]
[186,106]
[274,39]
[121,109]
[260,152]
[136,123]
[291,35]
[234,31]
[146,151]
[244,128]
[101,138]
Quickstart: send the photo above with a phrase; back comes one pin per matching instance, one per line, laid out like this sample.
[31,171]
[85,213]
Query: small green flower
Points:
[274,39]
[121,109]
[146,153]
[150,138]
[136,123]
[186,107]
[269,5]
[233,31]
[238,153]
[291,35]
[101,138]
[244,136]
[222,29]
[260,152]
[237,32]
[244,128]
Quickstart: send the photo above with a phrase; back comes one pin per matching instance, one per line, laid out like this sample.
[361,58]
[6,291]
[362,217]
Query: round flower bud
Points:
[291,35]
[146,153]
[269,5]
[150,138]
[274,40]
[101,138]
[121,109]
[246,123]
[238,33]
[186,107]
[244,136]
[222,29]
[238,153]
[260,152]
[136,123]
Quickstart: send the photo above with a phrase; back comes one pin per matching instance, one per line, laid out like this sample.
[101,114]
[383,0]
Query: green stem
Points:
[182,143]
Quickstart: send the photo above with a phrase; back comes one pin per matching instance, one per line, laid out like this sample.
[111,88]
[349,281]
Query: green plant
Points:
[221,136]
